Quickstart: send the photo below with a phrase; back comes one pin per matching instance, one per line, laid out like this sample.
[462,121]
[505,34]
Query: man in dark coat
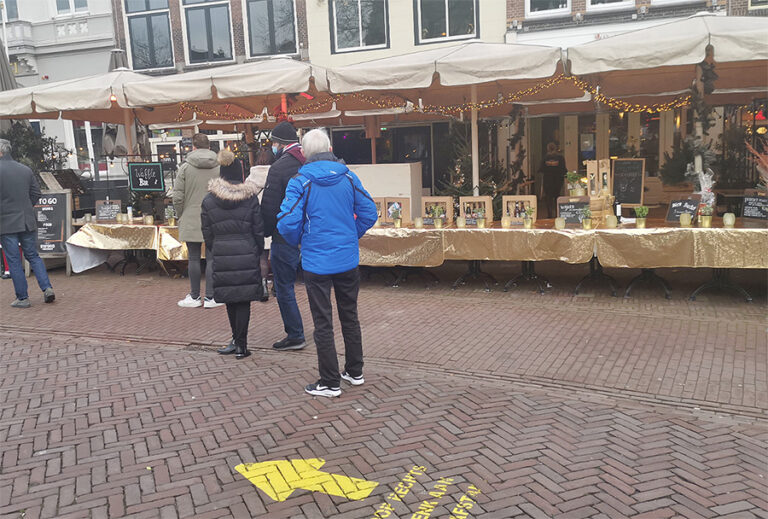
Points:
[283,256]
[19,192]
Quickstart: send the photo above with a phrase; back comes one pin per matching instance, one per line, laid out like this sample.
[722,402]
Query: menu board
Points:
[146,176]
[52,213]
[756,207]
[628,181]
[107,209]
[678,207]
[571,209]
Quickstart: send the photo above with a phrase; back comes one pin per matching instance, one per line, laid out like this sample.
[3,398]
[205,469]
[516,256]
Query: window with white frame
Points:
[359,24]
[209,32]
[606,5]
[758,4]
[11,9]
[149,31]
[535,8]
[271,27]
[71,6]
[446,19]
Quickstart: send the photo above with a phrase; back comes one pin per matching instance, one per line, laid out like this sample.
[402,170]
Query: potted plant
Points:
[586,218]
[528,218]
[170,215]
[480,217]
[575,185]
[705,216]
[437,213]
[395,214]
[641,212]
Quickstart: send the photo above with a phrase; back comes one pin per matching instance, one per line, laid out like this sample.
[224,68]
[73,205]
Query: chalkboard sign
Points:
[107,209]
[572,209]
[628,181]
[756,207]
[678,207]
[146,176]
[53,213]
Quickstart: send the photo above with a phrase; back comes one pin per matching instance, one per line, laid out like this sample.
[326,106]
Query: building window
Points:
[271,27]
[446,19]
[71,6]
[358,24]
[209,35]
[543,8]
[608,5]
[11,9]
[758,4]
[149,30]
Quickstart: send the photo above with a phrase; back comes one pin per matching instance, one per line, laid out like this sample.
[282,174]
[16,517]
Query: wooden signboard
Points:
[572,207]
[394,204]
[107,209]
[474,207]
[53,213]
[514,206]
[628,181]
[436,207]
[678,207]
[755,207]
[146,176]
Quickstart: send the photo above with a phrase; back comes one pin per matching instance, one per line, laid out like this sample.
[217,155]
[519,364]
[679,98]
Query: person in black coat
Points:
[232,225]
[553,169]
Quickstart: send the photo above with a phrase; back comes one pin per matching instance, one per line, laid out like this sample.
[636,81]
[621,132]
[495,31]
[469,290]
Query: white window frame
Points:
[757,7]
[247,34]
[549,13]
[337,50]
[421,40]
[127,32]
[183,11]
[613,6]
[71,11]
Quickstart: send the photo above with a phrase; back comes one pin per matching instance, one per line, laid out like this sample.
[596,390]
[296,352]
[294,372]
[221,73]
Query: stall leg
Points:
[129,256]
[367,273]
[528,273]
[648,276]
[721,279]
[596,274]
[475,272]
[403,273]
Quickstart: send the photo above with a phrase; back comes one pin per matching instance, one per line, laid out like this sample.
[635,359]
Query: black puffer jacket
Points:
[233,228]
[284,169]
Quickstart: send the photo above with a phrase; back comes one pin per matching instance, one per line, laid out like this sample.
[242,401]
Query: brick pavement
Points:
[550,406]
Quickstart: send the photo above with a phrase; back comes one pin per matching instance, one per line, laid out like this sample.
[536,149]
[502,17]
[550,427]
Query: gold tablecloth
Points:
[169,247]
[683,247]
[115,236]
[383,247]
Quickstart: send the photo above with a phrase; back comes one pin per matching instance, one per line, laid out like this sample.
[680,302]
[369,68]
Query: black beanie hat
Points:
[284,133]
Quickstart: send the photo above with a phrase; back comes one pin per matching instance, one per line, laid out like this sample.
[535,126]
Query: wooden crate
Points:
[468,204]
[405,208]
[601,207]
[445,201]
[523,201]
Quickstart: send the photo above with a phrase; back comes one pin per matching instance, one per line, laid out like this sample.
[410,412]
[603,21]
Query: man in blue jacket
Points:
[326,210]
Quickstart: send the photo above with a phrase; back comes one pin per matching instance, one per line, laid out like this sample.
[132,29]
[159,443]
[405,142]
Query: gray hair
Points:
[314,142]
[5,147]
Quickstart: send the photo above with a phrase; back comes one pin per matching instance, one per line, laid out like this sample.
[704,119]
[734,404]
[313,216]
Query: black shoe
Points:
[6,275]
[320,389]
[290,344]
[264,291]
[242,352]
[48,295]
[229,349]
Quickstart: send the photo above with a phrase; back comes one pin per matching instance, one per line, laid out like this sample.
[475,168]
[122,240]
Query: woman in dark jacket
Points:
[232,225]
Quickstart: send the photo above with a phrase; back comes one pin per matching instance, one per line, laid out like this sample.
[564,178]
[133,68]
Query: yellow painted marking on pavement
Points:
[278,479]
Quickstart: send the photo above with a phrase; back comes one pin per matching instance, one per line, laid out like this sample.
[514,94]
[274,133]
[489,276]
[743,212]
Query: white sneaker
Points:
[190,302]
[355,381]
[210,303]
[318,389]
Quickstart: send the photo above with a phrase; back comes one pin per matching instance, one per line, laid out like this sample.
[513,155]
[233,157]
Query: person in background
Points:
[553,170]
[331,197]
[233,229]
[283,255]
[265,157]
[19,192]
[189,189]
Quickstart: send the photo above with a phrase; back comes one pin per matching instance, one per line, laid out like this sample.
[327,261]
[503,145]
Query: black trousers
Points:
[239,316]
[346,286]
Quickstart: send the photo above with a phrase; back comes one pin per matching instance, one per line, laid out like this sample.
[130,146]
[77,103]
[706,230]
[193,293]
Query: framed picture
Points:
[381,203]
[514,206]
[394,206]
[473,207]
[436,207]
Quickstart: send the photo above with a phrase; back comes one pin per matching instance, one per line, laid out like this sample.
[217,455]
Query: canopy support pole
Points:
[249,141]
[128,123]
[91,158]
[475,144]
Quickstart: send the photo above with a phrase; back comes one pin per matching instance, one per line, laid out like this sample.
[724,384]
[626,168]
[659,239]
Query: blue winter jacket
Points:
[326,210]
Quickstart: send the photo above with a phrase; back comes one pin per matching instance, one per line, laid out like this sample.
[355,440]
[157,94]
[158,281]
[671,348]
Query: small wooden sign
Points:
[107,209]
[678,207]
[572,208]
[474,207]
[146,176]
[433,207]
[629,181]
[514,206]
[755,207]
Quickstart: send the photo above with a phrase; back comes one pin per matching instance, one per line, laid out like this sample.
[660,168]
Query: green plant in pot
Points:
[641,212]
[575,185]
[528,218]
[396,215]
[586,218]
[705,216]
[480,219]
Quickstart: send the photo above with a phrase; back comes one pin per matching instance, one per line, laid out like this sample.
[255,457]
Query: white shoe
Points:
[210,303]
[190,302]
[355,381]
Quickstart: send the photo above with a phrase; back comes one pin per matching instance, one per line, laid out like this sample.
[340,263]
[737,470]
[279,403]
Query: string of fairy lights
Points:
[395,102]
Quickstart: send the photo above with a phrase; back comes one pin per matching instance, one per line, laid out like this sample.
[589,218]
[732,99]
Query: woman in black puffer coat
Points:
[232,225]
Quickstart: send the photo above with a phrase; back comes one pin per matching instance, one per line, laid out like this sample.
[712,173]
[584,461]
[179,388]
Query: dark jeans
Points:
[239,315]
[195,248]
[550,199]
[285,264]
[28,242]
[346,285]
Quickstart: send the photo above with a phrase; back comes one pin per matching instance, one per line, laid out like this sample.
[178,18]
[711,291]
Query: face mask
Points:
[275,149]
